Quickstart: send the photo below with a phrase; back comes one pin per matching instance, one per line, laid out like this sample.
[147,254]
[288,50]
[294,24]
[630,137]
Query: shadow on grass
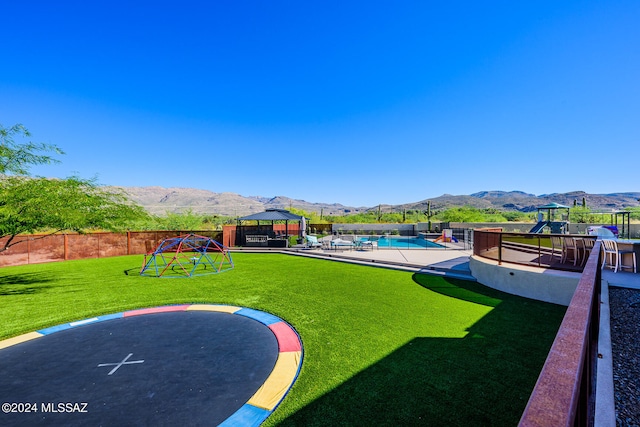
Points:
[461,289]
[482,379]
[23,284]
[134,271]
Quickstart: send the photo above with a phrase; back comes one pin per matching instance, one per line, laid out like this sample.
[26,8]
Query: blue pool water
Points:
[405,243]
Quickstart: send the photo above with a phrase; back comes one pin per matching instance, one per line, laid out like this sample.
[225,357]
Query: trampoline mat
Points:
[170,368]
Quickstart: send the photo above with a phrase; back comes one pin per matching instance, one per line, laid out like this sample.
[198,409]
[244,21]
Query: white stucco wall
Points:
[536,283]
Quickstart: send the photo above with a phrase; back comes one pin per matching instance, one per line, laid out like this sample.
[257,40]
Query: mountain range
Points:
[160,200]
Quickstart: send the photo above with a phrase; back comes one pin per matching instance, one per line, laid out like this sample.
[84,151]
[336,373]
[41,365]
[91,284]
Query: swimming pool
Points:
[404,242]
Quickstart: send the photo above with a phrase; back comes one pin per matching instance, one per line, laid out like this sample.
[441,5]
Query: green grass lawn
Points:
[381,347]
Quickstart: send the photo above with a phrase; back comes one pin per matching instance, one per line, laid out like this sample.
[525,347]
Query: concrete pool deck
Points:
[451,261]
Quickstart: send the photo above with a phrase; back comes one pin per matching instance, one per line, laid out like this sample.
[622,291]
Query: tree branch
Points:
[8,243]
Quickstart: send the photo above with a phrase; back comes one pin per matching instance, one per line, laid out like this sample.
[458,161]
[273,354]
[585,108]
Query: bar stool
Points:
[578,243]
[556,244]
[611,253]
[569,251]
[588,247]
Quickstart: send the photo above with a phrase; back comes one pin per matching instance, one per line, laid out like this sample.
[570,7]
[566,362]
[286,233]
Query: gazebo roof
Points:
[553,206]
[272,215]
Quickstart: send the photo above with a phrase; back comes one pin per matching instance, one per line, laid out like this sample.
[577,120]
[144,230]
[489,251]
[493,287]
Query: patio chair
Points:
[556,245]
[587,248]
[580,251]
[326,242]
[313,243]
[612,257]
[370,243]
[341,244]
[569,250]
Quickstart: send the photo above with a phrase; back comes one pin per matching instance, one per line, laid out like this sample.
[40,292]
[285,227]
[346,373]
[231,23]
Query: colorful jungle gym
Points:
[187,256]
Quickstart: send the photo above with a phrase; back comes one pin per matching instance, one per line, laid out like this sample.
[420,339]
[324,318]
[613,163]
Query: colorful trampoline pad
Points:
[276,386]
[19,339]
[265,399]
[260,316]
[288,339]
[154,310]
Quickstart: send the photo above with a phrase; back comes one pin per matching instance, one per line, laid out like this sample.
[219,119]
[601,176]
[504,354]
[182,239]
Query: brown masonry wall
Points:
[39,248]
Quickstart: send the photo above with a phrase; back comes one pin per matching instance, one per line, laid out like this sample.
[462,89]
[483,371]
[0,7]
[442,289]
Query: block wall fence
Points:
[38,248]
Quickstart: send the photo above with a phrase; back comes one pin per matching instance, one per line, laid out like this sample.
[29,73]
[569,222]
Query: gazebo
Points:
[625,222]
[271,215]
[621,218]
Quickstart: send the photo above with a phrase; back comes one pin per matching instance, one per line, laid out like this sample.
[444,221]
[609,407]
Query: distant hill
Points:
[160,200]
[524,202]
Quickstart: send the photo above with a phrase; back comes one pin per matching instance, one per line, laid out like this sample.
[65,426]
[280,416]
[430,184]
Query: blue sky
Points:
[358,103]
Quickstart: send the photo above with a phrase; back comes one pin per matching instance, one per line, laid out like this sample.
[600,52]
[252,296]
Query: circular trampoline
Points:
[185,364]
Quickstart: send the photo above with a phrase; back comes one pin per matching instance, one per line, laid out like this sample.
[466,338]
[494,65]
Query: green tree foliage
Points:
[189,221]
[409,216]
[30,205]
[581,214]
[584,215]
[471,214]
[312,217]
[516,216]
[16,157]
[370,217]
[457,214]
[185,221]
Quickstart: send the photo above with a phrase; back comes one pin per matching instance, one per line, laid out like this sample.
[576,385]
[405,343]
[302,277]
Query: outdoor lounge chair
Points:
[313,243]
[369,243]
[326,242]
[341,244]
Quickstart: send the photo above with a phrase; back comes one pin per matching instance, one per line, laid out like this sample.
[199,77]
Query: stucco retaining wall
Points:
[540,284]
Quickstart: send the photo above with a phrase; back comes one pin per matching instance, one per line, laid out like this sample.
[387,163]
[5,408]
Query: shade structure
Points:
[275,215]
[272,215]
[551,208]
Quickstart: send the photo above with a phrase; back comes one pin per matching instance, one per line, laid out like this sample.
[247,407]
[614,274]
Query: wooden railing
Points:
[564,394]
[528,249]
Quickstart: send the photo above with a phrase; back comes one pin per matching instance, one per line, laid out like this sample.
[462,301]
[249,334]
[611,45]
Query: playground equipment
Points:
[447,237]
[540,225]
[187,256]
[556,227]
